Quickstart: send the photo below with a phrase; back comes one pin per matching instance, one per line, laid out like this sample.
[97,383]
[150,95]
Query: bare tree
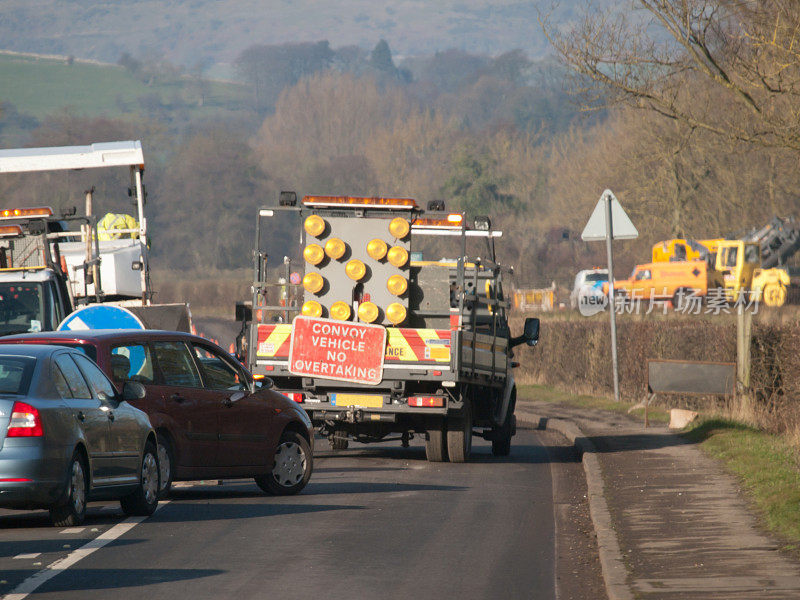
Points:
[731,67]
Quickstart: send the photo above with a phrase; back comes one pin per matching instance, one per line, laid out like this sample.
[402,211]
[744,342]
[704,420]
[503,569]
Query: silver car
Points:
[68,436]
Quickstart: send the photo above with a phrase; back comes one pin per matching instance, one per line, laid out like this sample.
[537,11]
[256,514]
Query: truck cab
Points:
[32,301]
[739,263]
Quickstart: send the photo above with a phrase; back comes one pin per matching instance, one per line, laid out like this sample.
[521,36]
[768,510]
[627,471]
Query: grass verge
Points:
[766,466]
[545,393]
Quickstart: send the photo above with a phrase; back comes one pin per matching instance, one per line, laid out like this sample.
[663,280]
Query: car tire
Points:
[73,510]
[292,466]
[143,501]
[436,443]
[166,462]
[459,434]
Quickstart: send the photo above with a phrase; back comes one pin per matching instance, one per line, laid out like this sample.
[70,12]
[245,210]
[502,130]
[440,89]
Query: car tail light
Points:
[426,401]
[25,421]
[294,396]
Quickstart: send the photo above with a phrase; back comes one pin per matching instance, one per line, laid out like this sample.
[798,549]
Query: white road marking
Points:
[30,556]
[32,583]
[73,529]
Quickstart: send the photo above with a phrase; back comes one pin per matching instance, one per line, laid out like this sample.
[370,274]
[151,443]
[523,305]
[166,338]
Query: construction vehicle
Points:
[373,340]
[673,281]
[51,265]
[750,265]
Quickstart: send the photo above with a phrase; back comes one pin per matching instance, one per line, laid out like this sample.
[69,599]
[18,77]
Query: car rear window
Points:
[15,374]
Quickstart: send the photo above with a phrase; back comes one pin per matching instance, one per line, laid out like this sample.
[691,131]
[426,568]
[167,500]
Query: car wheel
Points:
[73,510]
[459,434]
[144,499]
[165,465]
[292,467]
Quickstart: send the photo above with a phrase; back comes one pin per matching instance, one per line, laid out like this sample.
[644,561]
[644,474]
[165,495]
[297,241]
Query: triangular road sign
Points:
[621,226]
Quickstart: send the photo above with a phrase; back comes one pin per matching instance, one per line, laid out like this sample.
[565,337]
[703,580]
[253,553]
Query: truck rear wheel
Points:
[435,445]
[459,434]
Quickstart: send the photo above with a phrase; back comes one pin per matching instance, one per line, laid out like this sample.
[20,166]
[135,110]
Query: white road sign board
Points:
[621,226]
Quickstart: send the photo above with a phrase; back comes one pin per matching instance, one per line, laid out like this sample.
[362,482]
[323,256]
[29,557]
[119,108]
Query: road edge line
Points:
[615,573]
[35,581]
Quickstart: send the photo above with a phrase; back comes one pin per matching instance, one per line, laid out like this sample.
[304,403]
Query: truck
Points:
[375,341]
[751,263]
[674,281]
[52,265]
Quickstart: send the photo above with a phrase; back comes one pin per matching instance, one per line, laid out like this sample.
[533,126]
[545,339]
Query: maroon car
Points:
[212,419]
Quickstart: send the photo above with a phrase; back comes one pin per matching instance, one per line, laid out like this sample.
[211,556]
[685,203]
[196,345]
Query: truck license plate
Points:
[362,400]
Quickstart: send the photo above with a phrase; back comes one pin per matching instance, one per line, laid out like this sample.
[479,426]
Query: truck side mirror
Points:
[244,312]
[531,332]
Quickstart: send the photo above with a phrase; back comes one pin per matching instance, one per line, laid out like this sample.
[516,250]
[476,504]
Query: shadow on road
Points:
[364,487]
[481,453]
[178,512]
[8,549]
[27,519]
[357,469]
[102,579]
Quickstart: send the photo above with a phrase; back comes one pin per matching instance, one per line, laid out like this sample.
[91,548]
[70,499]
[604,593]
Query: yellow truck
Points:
[667,281]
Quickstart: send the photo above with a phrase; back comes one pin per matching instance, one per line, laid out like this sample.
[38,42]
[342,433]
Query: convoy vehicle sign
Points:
[338,350]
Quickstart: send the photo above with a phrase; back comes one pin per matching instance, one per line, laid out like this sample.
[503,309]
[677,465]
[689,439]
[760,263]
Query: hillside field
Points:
[38,87]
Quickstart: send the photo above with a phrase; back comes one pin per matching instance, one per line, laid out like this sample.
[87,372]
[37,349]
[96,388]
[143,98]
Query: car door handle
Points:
[177,398]
[80,416]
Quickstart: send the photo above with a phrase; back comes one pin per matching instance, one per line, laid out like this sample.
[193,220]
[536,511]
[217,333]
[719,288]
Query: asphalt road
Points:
[376,521]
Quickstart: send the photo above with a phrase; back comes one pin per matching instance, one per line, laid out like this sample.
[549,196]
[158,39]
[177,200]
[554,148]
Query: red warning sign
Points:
[337,350]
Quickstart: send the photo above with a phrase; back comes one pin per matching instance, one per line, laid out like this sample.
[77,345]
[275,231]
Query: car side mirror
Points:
[531,332]
[265,383]
[133,390]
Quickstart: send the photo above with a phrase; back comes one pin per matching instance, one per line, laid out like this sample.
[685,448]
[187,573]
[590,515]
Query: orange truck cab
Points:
[666,281]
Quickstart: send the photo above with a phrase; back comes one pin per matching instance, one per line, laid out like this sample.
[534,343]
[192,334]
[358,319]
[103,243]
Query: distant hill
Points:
[40,86]
[191,32]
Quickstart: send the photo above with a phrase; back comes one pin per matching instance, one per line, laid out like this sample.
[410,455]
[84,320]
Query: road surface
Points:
[376,521]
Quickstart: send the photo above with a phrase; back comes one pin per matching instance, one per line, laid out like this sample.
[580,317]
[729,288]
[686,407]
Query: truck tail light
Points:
[294,397]
[25,421]
[426,401]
